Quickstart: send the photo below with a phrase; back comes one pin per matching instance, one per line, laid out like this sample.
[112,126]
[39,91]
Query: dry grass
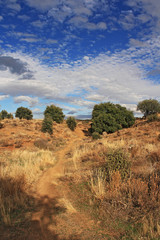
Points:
[98,183]
[28,164]
[136,198]
[19,170]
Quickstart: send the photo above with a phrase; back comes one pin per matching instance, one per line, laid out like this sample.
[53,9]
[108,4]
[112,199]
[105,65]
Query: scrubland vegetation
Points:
[105,186]
[20,169]
[121,185]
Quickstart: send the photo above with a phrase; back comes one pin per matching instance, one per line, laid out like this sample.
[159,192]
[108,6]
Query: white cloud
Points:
[2,97]
[24,17]
[42,5]
[51,41]
[137,43]
[1,18]
[102,25]
[120,78]
[30,40]
[38,24]
[31,101]
[149,11]
[73,12]
[14,6]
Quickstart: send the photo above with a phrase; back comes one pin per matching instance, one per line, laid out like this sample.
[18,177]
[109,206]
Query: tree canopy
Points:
[109,117]
[149,107]
[55,113]
[4,114]
[24,113]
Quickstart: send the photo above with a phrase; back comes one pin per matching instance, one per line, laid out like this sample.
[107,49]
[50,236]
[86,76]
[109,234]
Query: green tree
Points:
[24,113]
[71,123]
[148,107]
[4,114]
[47,124]
[109,117]
[55,113]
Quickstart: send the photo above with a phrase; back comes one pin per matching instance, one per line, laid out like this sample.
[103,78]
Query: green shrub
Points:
[108,117]
[152,117]
[47,124]
[71,123]
[10,116]
[55,113]
[24,113]
[149,107]
[4,114]
[96,135]
[117,160]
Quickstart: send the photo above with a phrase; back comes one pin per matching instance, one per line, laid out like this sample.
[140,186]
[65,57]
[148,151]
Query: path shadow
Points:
[87,133]
[24,217]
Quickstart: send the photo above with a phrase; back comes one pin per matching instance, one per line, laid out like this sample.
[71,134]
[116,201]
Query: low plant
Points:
[47,124]
[98,183]
[96,135]
[71,123]
[152,118]
[117,160]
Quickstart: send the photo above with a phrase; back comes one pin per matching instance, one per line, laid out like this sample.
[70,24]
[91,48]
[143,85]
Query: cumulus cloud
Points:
[42,5]
[51,41]
[31,101]
[39,24]
[24,17]
[2,97]
[14,6]
[71,12]
[15,66]
[120,77]
[149,12]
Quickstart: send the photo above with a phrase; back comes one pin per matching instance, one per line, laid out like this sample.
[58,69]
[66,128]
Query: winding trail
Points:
[50,192]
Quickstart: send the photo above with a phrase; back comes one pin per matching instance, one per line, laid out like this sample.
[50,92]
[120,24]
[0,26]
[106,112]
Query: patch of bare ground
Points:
[66,187]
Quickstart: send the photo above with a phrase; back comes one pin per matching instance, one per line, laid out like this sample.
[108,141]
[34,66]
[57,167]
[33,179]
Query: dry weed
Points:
[98,183]
[20,169]
[29,164]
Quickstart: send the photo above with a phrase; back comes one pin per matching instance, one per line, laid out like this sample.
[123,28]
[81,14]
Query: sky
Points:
[78,53]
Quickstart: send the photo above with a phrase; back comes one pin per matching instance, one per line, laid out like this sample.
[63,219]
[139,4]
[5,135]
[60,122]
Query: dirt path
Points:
[52,200]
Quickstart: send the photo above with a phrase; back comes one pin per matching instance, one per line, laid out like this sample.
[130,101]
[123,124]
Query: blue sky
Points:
[75,54]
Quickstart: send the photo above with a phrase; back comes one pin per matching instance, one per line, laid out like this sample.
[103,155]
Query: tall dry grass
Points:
[18,172]
[98,183]
[136,198]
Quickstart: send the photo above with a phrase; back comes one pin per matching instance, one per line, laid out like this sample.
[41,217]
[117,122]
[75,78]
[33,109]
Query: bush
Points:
[24,113]
[117,160]
[96,135]
[71,123]
[55,113]
[47,124]
[149,107]
[152,118]
[4,114]
[108,117]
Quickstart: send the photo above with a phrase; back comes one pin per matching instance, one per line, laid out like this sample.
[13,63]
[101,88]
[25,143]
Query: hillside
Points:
[56,187]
